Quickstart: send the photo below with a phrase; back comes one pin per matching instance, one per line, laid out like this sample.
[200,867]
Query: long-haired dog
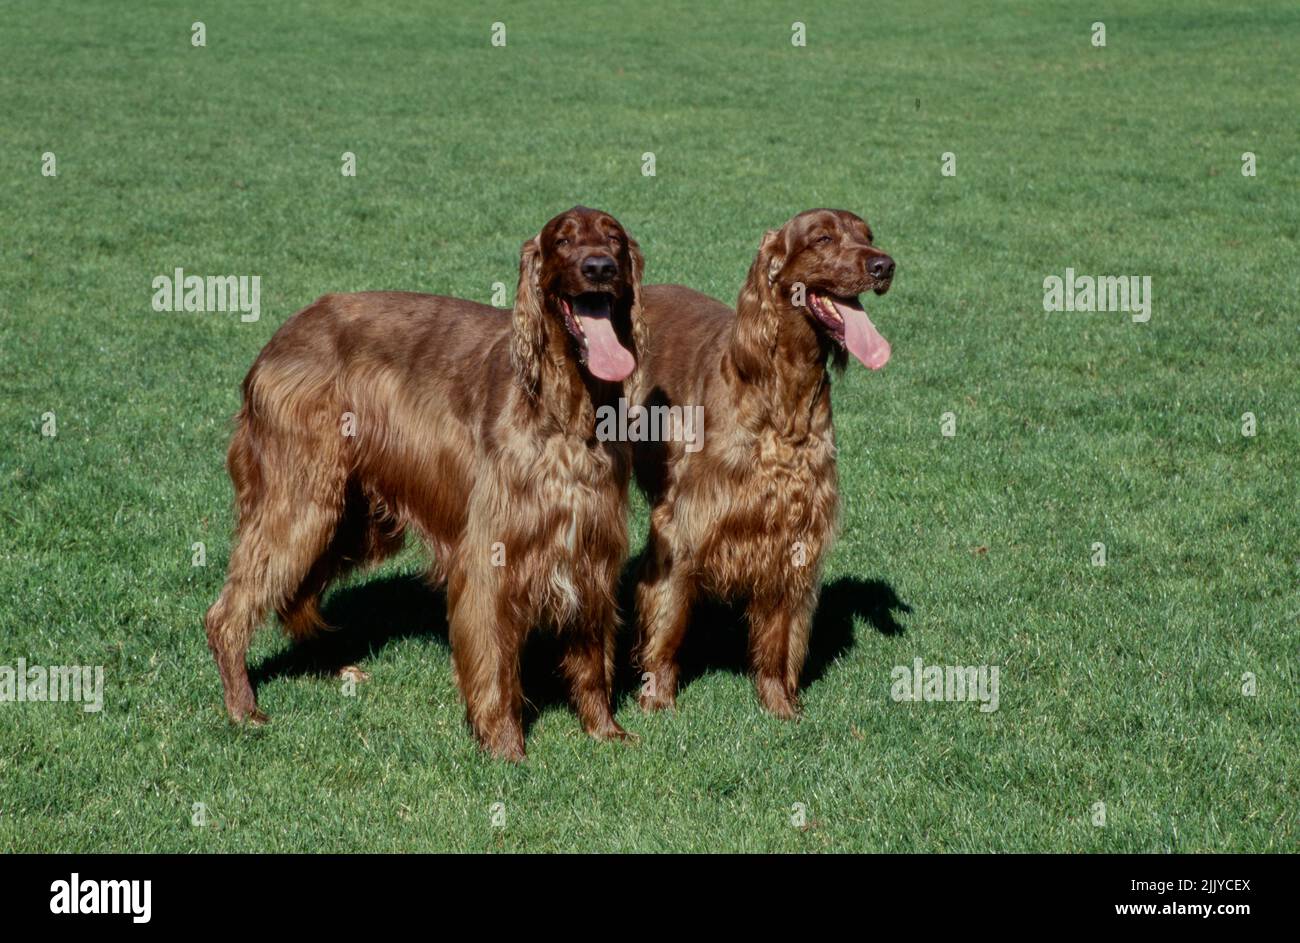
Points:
[369,413]
[750,516]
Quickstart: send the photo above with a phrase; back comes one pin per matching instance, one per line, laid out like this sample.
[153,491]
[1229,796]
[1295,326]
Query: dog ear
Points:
[527,345]
[756,313]
[640,329]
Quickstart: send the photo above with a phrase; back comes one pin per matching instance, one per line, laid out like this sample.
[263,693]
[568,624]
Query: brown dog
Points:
[367,413]
[749,517]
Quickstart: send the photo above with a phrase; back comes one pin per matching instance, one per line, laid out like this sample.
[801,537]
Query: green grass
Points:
[1119,684]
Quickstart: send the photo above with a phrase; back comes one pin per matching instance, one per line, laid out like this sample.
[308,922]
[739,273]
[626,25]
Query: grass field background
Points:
[1119,684]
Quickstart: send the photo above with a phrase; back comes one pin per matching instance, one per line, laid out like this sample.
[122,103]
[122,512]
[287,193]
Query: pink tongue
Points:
[607,359]
[861,337]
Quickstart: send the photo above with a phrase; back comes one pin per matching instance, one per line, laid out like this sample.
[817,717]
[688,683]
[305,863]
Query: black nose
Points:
[599,268]
[881,268]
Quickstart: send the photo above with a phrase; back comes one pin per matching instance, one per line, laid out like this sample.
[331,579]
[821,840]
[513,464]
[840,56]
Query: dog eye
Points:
[561,242]
[821,240]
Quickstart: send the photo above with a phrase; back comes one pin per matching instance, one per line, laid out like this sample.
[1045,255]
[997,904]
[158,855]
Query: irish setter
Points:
[750,516]
[368,413]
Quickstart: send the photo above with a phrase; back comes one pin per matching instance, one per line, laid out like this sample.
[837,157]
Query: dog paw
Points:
[612,731]
[509,753]
[776,699]
[251,718]
[504,744]
[658,702]
[246,712]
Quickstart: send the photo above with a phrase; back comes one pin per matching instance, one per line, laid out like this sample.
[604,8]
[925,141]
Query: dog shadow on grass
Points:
[363,618]
[368,616]
[718,635]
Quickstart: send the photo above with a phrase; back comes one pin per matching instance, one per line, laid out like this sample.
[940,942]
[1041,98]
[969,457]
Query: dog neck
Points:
[567,394]
[786,382]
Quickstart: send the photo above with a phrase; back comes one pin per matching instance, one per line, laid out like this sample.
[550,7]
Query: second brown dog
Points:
[750,516]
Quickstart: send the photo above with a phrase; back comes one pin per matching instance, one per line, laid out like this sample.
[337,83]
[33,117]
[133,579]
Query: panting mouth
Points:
[588,318]
[845,320]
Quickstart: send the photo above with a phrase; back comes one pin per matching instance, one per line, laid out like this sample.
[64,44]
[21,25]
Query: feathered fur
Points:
[751,515]
[368,414]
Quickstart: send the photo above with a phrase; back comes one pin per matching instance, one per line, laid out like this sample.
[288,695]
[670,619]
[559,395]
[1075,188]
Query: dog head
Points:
[582,271]
[816,266]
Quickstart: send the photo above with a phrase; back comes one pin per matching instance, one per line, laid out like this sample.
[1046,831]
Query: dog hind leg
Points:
[286,522]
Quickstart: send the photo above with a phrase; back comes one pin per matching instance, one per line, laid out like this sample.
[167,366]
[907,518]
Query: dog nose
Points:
[599,268]
[881,268]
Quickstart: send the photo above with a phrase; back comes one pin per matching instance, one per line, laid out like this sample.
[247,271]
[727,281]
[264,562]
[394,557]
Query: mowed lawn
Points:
[1120,684]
